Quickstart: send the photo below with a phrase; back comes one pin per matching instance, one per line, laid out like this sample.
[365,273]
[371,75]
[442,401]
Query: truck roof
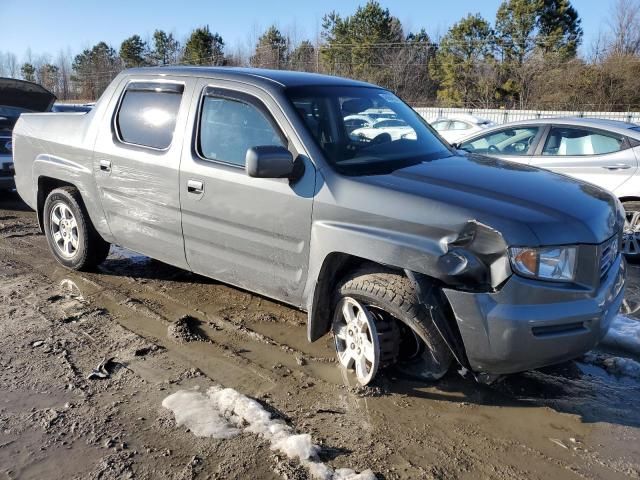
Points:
[279,78]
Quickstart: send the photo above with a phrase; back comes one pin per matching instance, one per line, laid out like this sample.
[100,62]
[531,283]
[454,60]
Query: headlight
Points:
[548,263]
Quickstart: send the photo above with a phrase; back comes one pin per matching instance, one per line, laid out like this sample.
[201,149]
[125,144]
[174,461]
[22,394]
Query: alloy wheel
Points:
[631,234]
[64,230]
[356,339]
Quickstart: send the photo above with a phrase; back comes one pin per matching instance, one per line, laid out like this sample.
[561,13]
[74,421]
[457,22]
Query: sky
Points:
[46,26]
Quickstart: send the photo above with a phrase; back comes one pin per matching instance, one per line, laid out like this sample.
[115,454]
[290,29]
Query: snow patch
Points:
[614,365]
[624,334]
[224,412]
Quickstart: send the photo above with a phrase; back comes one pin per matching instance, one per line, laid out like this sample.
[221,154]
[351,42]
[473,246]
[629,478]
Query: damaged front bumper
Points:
[529,324]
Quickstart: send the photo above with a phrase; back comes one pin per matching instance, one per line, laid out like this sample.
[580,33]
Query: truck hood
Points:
[512,197]
[21,94]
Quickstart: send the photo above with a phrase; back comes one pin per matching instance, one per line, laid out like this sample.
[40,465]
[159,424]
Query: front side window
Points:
[230,126]
[580,142]
[509,141]
[399,136]
[147,114]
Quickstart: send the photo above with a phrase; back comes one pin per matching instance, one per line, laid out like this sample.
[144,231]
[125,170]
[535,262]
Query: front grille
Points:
[609,253]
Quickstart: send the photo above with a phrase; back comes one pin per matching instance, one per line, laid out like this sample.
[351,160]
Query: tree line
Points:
[527,57]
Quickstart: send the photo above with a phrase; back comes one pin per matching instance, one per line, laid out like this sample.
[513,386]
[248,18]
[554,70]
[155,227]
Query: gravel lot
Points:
[155,330]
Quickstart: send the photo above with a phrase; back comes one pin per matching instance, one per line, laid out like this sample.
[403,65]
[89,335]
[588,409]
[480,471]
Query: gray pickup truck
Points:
[410,254]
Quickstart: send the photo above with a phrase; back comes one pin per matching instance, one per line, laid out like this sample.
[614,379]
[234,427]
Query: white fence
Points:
[505,116]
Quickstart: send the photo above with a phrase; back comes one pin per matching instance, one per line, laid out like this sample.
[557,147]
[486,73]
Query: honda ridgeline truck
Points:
[409,253]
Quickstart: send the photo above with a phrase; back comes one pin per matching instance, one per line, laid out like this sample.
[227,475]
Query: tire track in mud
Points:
[129,299]
[142,306]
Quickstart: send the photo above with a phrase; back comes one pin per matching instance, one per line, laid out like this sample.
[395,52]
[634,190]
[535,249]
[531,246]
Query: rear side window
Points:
[580,142]
[441,125]
[457,125]
[147,114]
[230,126]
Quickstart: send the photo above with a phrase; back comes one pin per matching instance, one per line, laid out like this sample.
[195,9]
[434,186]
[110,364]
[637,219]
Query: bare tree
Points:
[625,28]
[63,62]
[11,65]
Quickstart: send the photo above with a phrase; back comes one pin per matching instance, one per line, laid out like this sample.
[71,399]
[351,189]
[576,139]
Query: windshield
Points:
[362,127]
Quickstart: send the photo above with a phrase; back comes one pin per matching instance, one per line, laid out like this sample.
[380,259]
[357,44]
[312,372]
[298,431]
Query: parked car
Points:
[71,107]
[456,127]
[603,152]
[17,97]
[409,253]
[395,128]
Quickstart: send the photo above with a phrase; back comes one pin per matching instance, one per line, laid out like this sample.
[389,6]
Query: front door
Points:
[250,232]
[136,163]
[514,143]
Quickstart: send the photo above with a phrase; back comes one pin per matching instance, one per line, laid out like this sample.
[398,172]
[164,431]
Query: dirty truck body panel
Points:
[447,218]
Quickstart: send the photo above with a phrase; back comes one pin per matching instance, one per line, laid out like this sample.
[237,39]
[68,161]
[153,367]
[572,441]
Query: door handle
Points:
[195,186]
[617,166]
[105,165]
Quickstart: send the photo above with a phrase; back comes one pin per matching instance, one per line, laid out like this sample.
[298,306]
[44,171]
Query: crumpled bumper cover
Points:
[530,324]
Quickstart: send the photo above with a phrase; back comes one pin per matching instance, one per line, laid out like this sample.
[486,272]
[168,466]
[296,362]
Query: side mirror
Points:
[269,161]
[456,145]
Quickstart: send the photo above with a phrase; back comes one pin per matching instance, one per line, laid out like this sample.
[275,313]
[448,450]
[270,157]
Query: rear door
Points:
[136,164]
[250,232]
[603,158]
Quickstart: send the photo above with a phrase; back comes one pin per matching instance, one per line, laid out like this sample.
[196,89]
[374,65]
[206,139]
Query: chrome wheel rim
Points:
[64,230]
[631,234]
[356,339]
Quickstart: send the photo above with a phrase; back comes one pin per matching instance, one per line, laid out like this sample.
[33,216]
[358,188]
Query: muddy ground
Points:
[573,421]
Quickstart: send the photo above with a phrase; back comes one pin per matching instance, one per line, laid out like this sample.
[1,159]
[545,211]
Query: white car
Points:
[457,127]
[605,153]
[390,129]
[379,113]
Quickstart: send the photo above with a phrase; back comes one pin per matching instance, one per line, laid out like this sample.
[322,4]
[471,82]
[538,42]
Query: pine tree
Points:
[463,50]
[134,52]
[204,48]
[271,50]
[28,72]
[165,47]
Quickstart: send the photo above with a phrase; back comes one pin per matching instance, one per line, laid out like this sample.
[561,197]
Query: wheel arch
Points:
[45,182]
[338,264]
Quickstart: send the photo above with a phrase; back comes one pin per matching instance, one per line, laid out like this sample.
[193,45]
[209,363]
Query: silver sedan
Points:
[605,153]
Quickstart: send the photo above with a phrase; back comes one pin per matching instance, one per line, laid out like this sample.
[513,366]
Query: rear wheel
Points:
[631,236]
[71,237]
[379,321]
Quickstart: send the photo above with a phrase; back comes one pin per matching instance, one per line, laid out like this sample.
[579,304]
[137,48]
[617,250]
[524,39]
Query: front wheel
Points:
[380,321]
[71,237]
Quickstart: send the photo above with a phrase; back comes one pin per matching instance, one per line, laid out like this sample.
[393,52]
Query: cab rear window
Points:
[147,114]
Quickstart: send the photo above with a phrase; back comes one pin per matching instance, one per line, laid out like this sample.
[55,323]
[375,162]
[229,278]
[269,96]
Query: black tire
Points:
[91,249]
[631,247]
[394,295]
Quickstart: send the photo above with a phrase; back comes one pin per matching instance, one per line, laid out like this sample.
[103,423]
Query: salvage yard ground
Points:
[87,361]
